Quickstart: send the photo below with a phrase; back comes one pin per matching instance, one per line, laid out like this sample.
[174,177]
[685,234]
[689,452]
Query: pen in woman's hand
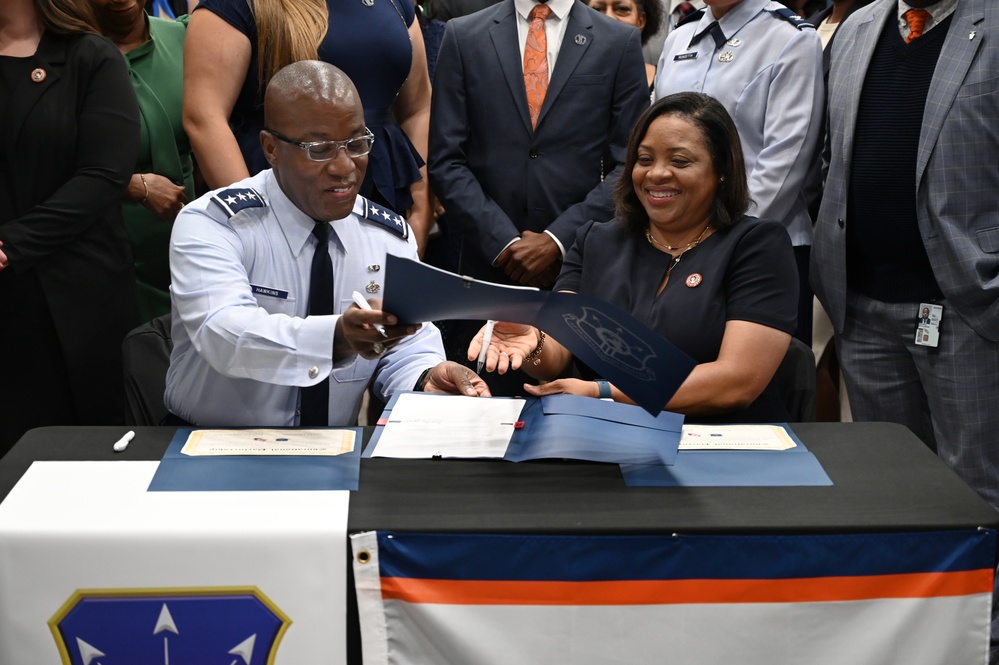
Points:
[487,339]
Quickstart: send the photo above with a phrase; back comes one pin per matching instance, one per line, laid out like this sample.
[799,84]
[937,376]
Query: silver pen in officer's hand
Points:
[487,339]
[363,304]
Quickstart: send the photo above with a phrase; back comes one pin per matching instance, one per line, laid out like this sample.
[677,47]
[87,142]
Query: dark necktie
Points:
[316,399]
[716,33]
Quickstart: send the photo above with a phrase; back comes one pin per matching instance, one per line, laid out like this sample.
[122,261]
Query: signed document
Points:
[422,426]
[735,437]
[329,442]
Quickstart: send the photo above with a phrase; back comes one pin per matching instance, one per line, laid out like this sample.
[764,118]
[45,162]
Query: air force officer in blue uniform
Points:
[245,347]
[764,64]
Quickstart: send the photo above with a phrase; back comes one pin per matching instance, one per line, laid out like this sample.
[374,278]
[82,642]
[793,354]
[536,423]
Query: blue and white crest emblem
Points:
[228,626]
[619,346]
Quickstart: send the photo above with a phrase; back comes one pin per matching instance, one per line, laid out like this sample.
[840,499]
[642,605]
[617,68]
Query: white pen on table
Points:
[487,339]
[122,443]
[363,304]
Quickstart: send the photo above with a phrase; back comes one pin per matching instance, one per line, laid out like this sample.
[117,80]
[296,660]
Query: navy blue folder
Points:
[640,362]
[794,467]
[582,428]
[178,472]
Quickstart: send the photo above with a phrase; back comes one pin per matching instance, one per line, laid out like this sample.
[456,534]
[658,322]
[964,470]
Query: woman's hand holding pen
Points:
[511,343]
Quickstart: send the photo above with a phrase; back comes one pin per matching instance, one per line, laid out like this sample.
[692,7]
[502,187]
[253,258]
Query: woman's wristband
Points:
[534,357]
[603,389]
[145,188]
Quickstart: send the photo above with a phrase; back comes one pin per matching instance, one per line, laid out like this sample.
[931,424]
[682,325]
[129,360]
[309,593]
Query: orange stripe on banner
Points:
[666,592]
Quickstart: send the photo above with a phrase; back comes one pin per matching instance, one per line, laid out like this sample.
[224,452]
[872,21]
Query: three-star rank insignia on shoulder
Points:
[235,199]
[386,219]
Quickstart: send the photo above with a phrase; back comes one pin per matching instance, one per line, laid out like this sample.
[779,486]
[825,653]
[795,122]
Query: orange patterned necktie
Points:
[536,61]
[916,18]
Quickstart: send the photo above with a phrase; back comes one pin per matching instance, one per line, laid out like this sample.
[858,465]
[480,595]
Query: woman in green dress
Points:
[163,180]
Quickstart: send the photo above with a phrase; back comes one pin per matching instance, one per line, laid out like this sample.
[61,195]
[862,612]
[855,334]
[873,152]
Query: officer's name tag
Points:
[928,324]
[268,291]
[685,56]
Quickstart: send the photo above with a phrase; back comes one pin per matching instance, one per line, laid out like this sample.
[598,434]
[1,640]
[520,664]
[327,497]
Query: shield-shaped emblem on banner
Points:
[229,626]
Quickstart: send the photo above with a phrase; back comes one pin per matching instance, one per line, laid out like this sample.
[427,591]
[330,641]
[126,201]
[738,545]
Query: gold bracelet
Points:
[534,357]
[145,188]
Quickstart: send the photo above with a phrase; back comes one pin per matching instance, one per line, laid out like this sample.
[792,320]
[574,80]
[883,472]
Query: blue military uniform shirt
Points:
[240,262]
[768,75]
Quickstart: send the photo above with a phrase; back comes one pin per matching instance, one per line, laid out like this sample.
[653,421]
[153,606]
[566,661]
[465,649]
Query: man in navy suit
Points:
[519,192]
[517,188]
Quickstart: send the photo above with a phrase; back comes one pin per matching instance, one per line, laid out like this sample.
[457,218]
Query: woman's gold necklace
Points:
[670,248]
[676,259]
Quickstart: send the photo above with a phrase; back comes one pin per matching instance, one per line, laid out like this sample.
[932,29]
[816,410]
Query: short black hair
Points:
[731,199]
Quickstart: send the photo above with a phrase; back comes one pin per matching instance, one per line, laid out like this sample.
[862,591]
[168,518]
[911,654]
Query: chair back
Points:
[146,355]
[796,382]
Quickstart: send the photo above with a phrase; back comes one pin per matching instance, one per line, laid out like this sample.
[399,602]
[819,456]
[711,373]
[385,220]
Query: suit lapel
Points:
[504,36]
[578,37]
[956,56]
[864,40]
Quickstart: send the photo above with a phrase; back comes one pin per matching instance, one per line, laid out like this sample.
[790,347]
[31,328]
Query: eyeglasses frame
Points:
[307,145]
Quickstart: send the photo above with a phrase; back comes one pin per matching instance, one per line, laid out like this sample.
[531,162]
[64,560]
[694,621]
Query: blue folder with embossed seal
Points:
[640,362]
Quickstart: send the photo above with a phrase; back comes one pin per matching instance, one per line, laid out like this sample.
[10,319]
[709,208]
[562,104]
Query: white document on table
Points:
[425,426]
[735,437]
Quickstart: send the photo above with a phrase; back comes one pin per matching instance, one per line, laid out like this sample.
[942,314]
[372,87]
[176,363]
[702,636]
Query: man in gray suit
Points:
[910,220]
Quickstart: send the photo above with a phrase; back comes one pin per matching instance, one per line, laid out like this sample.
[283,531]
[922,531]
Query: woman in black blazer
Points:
[69,135]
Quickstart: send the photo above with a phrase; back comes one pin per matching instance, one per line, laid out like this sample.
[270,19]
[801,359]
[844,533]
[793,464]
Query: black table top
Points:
[884,479]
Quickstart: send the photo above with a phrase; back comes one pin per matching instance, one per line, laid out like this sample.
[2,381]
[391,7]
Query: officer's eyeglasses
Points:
[324,151]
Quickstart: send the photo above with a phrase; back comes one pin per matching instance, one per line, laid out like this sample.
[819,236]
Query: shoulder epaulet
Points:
[385,218]
[692,17]
[235,199]
[793,18]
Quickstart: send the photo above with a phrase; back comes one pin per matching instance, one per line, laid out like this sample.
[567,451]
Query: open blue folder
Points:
[178,472]
[582,428]
[643,364]
[795,467]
